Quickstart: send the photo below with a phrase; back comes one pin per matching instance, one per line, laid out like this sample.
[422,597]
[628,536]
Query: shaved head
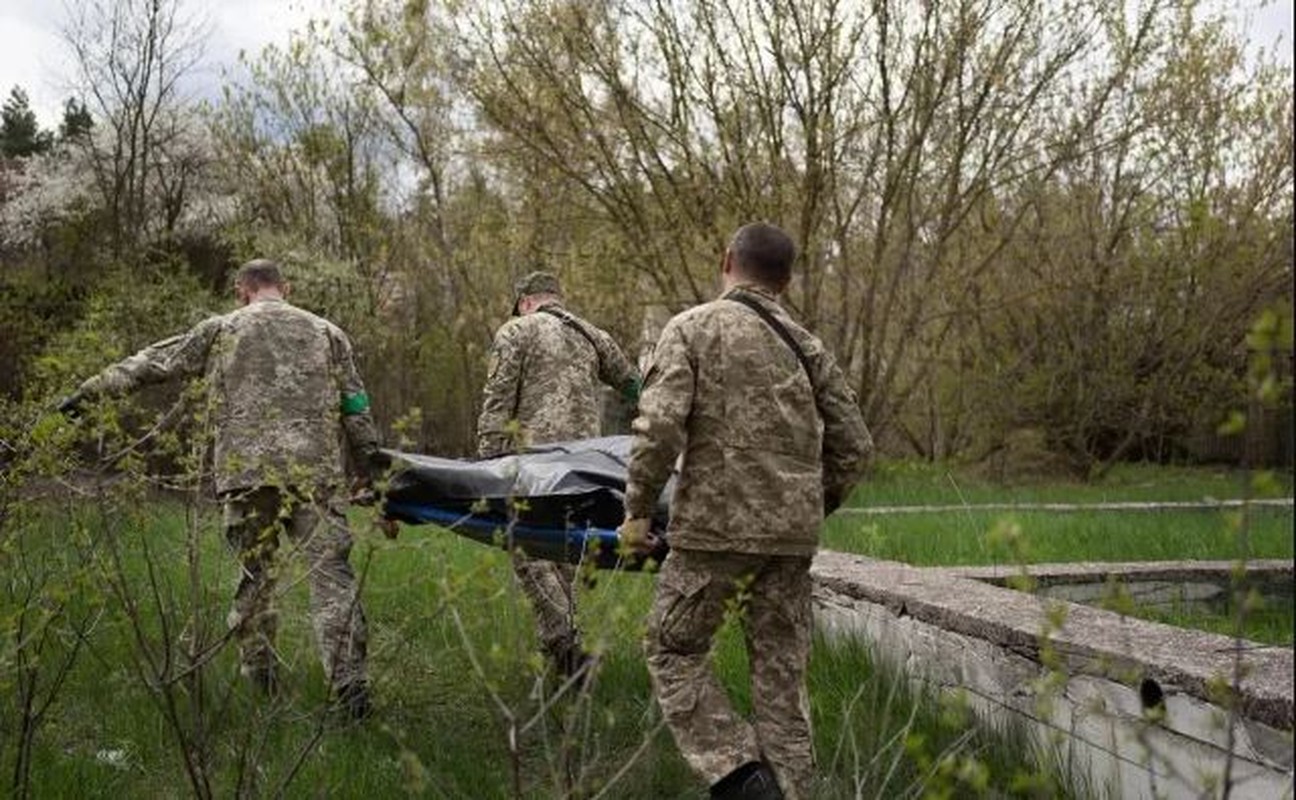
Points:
[260,273]
[764,253]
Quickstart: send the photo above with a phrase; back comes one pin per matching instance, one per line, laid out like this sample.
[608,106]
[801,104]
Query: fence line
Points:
[1170,505]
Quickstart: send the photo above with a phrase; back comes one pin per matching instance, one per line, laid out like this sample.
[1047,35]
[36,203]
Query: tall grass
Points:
[464,707]
[452,650]
[1269,624]
[964,537]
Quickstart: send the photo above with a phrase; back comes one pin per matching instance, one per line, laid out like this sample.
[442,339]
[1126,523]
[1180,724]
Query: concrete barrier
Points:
[1141,709]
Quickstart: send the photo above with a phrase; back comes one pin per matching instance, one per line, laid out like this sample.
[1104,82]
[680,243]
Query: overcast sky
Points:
[32,54]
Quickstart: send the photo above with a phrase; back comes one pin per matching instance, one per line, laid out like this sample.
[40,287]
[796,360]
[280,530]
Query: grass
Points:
[1271,624]
[450,650]
[897,483]
[975,537]
[453,657]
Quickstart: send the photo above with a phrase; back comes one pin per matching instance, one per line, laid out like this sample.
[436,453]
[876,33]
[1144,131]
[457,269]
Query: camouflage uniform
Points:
[759,469]
[283,388]
[542,386]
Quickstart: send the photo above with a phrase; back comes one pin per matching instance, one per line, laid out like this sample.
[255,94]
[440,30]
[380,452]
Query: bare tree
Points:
[131,58]
[877,133]
[1120,309]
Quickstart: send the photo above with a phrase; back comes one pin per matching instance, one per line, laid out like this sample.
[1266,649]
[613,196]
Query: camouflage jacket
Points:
[283,390]
[542,382]
[760,464]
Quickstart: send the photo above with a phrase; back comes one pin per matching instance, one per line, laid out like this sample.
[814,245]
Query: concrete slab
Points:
[955,628]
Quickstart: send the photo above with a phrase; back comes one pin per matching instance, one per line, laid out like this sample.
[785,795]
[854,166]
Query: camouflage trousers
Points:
[254,521]
[550,590]
[695,590]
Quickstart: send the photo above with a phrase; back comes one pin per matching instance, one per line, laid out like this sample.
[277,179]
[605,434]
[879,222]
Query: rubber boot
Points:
[751,781]
[574,662]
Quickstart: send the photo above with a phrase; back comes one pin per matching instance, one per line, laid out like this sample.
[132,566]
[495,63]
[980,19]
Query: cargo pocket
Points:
[687,614]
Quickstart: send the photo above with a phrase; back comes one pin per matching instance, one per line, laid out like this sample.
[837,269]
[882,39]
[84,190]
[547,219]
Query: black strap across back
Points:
[571,322]
[778,327]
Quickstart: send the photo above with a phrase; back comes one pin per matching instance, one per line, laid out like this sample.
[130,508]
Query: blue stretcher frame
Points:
[572,545]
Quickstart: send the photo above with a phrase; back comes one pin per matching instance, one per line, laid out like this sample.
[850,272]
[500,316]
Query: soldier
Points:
[772,440]
[283,388]
[545,367]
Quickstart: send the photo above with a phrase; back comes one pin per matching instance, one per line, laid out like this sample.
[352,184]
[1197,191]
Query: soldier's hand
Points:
[70,406]
[636,535]
[389,527]
[379,465]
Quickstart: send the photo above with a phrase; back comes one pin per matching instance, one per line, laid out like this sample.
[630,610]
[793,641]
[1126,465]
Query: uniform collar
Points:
[752,288]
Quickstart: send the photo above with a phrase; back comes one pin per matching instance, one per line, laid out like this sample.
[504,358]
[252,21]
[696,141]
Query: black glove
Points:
[70,406]
[832,501]
[378,464]
[377,468]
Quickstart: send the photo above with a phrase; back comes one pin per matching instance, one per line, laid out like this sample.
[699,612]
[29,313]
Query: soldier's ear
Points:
[727,262]
[285,289]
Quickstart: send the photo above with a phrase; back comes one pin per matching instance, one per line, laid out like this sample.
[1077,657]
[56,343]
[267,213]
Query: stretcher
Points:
[560,502]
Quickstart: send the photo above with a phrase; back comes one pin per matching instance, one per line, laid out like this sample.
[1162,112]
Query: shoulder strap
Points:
[778,327]
[570,321]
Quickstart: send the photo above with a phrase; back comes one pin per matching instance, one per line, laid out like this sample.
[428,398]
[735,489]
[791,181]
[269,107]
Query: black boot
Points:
[265,679]
[569,659]
[751,781]
[574,662]
[353,700]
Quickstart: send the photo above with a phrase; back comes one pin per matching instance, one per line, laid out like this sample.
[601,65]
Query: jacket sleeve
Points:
[496,426]
[353,405]
[847,443]
[660,430]
[615,369]
[178,357]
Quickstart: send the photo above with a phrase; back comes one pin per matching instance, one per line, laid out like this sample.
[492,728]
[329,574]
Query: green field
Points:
[456,676]
[452,660]
[1037,537]
[898,483]
[970,536]
[973,536]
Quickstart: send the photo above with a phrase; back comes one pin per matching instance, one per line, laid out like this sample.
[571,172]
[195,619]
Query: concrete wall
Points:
[963,633]
[1165,585]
